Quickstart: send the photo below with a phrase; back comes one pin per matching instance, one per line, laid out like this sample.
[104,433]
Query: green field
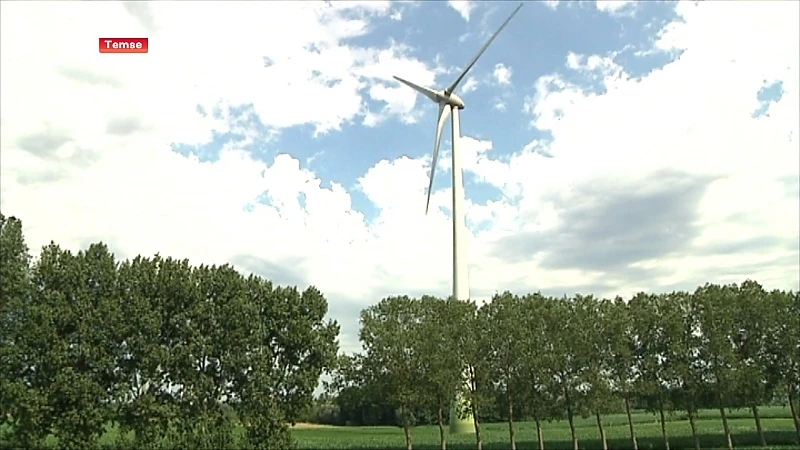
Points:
[776,421]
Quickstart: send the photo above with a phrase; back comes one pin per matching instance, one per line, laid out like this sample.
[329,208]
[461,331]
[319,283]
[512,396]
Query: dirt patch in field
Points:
[306,426]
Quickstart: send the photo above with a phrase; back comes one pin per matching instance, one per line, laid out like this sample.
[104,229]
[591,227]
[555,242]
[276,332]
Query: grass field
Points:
[776,421]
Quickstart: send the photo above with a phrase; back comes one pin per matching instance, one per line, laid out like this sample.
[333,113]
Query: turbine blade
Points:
[480,52]
[427,92]
[444,113]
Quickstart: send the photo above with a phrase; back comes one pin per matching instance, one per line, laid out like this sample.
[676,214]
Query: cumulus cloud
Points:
[463,7]
[694,115]
[470,85]
[502,74]
[662,181]
[552,4]
[616,7]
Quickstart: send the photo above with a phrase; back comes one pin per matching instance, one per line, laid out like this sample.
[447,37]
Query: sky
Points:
[609,148]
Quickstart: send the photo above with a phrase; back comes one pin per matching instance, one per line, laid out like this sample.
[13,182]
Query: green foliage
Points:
[553,359]
[170,355]
[536,354]
[21,406]
[441,366]
[390,334]
[505,343]
[472,326]
[177,356]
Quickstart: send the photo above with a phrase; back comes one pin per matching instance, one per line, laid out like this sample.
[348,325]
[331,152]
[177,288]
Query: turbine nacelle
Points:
[445,97]
[451,99]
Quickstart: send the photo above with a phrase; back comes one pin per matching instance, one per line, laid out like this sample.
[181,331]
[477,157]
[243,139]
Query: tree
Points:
[668,351]
[651,353]
[14,291]
[505,341]
[473,325]
[214,323]
[18,403]
[389,334]
[69,343]
[564,365]
[715,314]
[782,346]
[358,398]
[153,296]
[594,354]
[685,355]
[291,346]
[792,335]
[619,334]
[153,344]
[749,334]
[303,344]
[535,353]
[442,373]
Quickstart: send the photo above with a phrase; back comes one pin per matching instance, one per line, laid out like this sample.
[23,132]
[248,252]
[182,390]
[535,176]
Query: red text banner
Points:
[123,45]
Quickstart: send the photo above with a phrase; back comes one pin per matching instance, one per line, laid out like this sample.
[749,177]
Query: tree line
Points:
[173,353]
[201,356]
[543,358]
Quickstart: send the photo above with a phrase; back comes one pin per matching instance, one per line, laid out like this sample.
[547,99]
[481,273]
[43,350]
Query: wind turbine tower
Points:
[449,105]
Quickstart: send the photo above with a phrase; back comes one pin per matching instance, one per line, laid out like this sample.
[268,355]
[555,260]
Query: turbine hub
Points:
[452,99]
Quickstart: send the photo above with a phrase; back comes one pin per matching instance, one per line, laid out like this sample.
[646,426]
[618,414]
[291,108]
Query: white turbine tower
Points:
[449,105]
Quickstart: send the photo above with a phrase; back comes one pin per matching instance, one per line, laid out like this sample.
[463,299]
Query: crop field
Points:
[776,421]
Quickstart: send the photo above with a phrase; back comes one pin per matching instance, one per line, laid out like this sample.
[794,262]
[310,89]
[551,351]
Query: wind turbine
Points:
[449,105]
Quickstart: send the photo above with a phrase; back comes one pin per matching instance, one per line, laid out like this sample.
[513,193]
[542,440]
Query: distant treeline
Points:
[541,358]
[180,355]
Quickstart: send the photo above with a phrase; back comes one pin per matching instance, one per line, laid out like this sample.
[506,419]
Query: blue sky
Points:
[645,146]
[534,45]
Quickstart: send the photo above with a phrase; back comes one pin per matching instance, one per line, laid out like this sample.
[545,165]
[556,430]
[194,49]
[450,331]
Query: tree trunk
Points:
[477,424]
[725,421]
[442,435]
[630,423]
[539,435]
[692,423]
[406,429]
[760,430]
[795,414]
[663,424]
[793,409]
[602,430]
[571,420]
[511,420]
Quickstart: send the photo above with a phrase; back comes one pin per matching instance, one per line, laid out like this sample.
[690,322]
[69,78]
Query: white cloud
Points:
[552,4]
[399,100]
[616,7]
[313,157]
[187,65]
[574,60]
[312,78]
[124,185]
[463,7]
[693,115]
[476,159]
[470,85]
[502,74]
